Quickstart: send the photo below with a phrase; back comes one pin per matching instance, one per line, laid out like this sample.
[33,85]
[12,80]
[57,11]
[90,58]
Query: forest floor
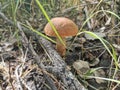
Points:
[29,61]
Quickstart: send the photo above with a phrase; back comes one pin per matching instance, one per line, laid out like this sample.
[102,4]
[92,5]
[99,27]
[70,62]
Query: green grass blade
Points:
[113,53]
[30,28]
[112,13]
[45,14]
[107,79]
[104,42]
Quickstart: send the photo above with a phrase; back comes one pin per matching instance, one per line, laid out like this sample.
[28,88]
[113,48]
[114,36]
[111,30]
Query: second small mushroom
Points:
[65,28]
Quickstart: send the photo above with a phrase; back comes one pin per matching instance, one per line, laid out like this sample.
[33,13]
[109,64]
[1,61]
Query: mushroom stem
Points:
[60,47]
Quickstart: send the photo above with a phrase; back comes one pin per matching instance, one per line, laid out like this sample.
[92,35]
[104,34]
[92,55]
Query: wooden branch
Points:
[59,67]
[26,43]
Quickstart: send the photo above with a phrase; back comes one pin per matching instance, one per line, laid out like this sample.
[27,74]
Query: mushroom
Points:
[65,28]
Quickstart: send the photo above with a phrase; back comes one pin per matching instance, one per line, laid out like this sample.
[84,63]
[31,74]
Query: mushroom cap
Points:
[64,26]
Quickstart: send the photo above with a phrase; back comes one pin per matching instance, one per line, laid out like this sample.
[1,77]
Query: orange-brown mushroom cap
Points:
[64,26]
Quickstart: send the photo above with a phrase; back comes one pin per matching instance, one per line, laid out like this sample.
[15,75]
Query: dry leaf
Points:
[81,67]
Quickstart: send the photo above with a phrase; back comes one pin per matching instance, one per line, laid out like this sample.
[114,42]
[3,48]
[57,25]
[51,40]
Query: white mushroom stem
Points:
[60,47]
